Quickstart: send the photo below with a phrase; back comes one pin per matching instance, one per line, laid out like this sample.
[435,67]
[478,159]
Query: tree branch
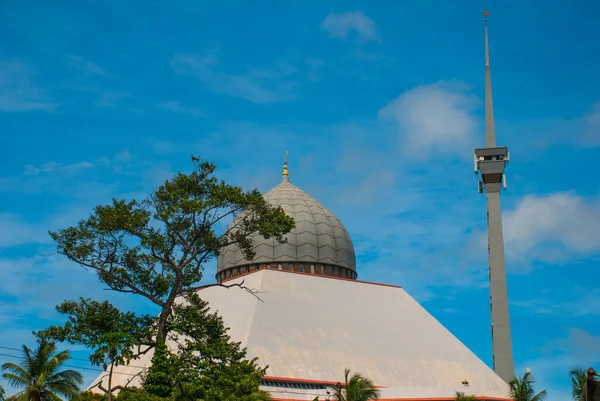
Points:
[252,291]
[134,288]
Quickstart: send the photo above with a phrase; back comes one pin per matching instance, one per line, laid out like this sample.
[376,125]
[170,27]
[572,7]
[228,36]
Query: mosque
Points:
[314,318]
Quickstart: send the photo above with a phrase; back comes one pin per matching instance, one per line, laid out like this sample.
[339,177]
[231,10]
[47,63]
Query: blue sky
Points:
[379,104]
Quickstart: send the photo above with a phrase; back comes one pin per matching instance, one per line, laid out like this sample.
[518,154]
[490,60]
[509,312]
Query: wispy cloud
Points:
[255,85]
[177,107]
[52,167]
[18,92]
[60,177]
[111,98]
[578,349]
[14,231]
[341,25]
[571,302]
[592,131]
[433,118]
[86,67]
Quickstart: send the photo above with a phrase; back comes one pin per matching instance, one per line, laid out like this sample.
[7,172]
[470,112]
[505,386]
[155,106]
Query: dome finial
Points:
[286,177]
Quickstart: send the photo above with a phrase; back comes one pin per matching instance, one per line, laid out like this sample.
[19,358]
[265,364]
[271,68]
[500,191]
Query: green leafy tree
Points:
[356,388]
[159,381]
[132,394]
[578,379]
[521,389]
[114,337]
[157,248]
[39,375]
[89,396]
[2,393]
[209,366]
[460,396]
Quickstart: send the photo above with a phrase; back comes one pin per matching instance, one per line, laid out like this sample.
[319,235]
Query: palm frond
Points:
[66,375]
[16,397]
[541,396]
[460,396]
[357,388]
[578,379]
[15,374]
[521,389]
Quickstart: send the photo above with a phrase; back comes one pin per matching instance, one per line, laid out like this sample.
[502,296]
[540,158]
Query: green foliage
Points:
[101,327]
[521,389]
[460,396]
[89,396]
[209,366]
[39,375]
[2,393]
[159,381]
[578,380]
[356,388]
[157,248]
[139,395]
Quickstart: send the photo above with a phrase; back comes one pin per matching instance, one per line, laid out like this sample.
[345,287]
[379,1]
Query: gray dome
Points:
[318,244]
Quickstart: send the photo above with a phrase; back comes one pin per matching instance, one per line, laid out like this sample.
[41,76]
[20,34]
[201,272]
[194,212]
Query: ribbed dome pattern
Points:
[319,238]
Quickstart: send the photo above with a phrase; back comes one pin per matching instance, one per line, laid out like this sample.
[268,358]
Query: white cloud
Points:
[259,86]
[177,107]
[565,223]
[17,90]
[434,118]
[340,25]
[551,229]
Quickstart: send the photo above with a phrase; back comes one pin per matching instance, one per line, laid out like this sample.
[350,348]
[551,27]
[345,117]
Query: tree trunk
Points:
[166,310]
[112,364]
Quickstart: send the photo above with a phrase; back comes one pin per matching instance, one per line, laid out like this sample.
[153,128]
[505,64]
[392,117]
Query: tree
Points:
[89,396]
[39,375]
[207,364]
[521,389]
[2,393]
[578,380]
[356,388]
[113,336]
[157,248]
[159,381]
[460,396]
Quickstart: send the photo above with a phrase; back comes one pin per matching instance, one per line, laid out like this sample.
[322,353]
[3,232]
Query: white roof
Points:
[312,328]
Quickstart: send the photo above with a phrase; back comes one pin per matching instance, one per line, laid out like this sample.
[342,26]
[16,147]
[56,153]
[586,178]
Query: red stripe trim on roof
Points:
[305,274]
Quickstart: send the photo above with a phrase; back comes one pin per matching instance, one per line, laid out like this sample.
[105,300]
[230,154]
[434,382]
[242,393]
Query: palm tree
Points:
[577,383]
[39,376]
[521,389]
[463,397]
[356,388]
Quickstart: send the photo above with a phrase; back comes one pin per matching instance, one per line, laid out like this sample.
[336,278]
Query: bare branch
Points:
[252,291]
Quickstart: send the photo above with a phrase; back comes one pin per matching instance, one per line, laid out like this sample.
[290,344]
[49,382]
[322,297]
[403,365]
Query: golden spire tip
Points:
[285,170]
